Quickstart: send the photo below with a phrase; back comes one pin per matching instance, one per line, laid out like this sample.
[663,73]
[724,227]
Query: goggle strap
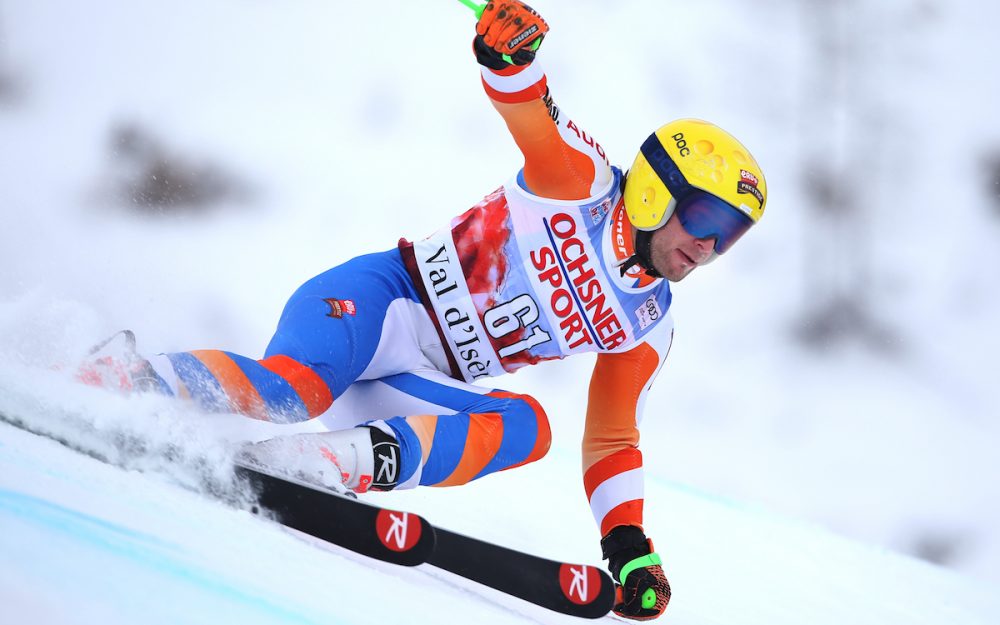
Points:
[663,166]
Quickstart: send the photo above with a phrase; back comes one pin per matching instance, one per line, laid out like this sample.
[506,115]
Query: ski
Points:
[389,535]
[393,536]
[574,589]
[408,539]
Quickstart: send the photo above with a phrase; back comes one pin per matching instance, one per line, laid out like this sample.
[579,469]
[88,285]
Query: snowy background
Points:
[836,367]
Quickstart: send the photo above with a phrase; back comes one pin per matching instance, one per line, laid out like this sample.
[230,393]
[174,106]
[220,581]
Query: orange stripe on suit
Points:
[424,426]
[611,435]
[243,397]
[628,513]
[481,444]
[312,390]
[606,468]
[617,382]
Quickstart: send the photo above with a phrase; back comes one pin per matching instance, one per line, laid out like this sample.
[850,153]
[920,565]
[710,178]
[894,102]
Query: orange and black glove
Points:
[508,32]
[642,591]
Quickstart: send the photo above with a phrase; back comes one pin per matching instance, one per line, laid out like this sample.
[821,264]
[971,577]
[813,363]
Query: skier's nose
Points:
[704,246]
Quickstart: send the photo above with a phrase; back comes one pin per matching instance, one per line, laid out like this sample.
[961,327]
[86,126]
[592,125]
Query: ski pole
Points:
[478,10]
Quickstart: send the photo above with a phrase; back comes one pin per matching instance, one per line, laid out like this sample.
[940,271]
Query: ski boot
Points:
[115,364]
[359,459]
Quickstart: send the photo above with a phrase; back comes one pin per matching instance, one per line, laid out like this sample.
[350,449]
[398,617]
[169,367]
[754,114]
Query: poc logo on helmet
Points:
[681,144]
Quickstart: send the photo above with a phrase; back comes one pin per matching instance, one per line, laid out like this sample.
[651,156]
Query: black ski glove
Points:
[642,590]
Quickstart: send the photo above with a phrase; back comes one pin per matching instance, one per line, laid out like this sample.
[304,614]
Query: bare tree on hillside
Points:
[841,134]
[149,177]
[6,78]
[991,170]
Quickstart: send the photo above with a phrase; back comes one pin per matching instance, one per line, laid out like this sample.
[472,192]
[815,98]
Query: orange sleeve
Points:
[612,462]
[561,161]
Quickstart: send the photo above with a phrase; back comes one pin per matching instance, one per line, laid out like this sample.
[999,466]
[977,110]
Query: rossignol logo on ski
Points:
[398,531]
[580,583]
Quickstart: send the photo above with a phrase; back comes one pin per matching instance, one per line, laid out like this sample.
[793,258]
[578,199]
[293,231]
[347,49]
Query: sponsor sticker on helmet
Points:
[648,313]
[748,184]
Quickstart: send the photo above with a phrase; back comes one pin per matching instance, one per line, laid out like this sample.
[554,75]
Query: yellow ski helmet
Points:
[701,172]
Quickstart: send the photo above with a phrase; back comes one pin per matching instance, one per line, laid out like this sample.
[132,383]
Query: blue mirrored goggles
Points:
[705,215]
[701,213]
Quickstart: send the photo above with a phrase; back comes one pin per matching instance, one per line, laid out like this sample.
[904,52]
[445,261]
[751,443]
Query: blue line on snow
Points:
[136,546]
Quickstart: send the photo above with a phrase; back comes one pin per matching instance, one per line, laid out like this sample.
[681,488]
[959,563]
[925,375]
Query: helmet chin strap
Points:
[643,256]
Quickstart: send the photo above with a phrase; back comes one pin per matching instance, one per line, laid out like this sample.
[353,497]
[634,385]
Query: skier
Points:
[569,256]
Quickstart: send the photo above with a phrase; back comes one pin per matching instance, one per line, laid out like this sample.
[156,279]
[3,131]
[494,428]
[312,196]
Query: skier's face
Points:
[675,253]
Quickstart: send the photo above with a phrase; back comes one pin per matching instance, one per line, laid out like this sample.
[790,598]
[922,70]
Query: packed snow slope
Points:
[85,542]
[343,130]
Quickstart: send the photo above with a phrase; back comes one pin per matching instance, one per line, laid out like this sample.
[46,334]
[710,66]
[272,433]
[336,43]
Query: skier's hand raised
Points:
[642,590]
[509,31]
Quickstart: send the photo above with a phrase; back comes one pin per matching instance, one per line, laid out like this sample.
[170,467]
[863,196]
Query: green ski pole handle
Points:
[478,10]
